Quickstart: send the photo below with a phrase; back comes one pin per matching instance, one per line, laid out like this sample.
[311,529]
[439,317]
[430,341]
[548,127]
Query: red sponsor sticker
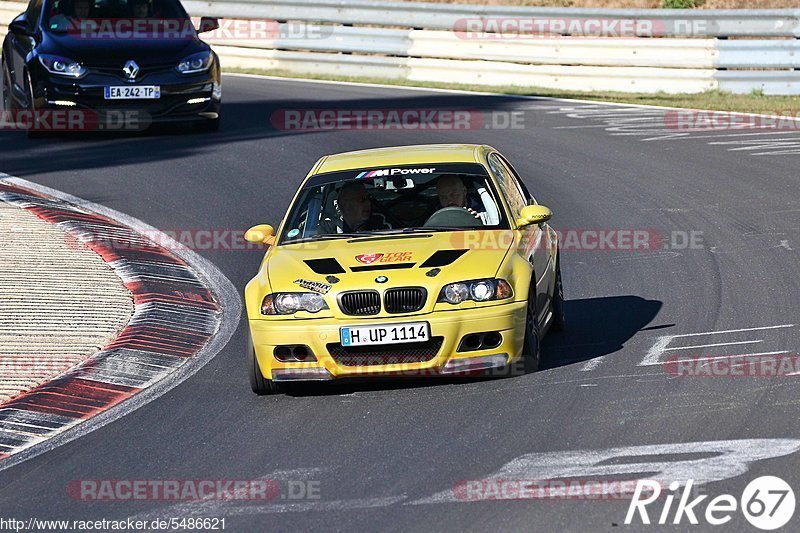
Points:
[368,259]
[393,257]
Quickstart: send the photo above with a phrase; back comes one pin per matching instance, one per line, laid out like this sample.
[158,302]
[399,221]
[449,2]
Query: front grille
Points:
[360,303]
[144,71]
[392,354]
[404,300]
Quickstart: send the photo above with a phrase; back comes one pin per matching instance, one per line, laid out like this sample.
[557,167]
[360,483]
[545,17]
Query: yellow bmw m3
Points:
[430,260]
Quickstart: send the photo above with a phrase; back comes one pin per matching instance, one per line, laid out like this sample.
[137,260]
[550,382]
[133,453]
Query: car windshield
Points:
[436,197]
[64,15]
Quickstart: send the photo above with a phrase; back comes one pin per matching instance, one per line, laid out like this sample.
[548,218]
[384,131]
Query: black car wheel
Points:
[6,86]
[559,318]
[35,129]
[531,346]
[258,382]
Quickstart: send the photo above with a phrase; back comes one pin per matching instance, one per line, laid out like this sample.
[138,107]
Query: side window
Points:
[33,13]
[508,184]
[521,184]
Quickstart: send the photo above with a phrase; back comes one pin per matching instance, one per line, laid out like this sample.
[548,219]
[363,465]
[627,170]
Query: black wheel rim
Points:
[6,90]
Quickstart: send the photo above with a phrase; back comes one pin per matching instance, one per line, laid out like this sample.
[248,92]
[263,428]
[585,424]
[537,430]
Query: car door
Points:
[534,237]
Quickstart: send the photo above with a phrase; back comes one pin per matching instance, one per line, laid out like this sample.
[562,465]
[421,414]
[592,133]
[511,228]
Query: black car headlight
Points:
[195,63]
[62,66]
[479,290]
[288,303]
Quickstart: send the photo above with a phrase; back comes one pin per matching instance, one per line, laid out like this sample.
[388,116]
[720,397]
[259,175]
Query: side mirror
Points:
[20,27]
[261,234]
[208,24]
[533,214]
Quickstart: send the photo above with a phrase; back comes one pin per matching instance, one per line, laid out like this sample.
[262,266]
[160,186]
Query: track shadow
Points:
[597,327]
[243,120]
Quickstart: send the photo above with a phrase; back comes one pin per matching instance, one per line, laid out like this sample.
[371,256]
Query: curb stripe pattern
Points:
[175,316]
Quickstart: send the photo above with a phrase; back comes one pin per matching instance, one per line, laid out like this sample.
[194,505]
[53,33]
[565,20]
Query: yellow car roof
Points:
[402,155]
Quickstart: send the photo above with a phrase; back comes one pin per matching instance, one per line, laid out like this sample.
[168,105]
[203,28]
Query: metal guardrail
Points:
[317,42]
[436,16]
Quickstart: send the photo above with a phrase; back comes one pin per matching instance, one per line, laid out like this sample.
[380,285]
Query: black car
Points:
[131,61]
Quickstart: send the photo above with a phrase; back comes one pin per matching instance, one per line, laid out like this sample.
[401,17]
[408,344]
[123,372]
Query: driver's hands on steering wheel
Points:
[473,212]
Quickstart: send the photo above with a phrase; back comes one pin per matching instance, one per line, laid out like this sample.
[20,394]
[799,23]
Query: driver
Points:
[78,10]
[355,205]
[81,9]
[141,9]
[453,193]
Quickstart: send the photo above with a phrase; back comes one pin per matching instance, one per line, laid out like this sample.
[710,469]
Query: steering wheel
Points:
[452,217]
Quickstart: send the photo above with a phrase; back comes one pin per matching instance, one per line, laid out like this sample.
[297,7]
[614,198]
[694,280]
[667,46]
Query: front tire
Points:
[35,131]
[260,385]
[559,322]
[7,106]
[531,346]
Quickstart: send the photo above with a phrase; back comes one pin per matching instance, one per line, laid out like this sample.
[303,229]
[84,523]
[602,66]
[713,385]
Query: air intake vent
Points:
[442,258]
[360,303]
[325,266]
[405,300]
[390,354]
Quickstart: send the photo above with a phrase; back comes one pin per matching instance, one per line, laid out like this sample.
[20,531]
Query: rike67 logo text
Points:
[767,502]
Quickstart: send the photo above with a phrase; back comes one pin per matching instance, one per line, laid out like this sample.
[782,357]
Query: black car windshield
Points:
[67,15]
[436,197]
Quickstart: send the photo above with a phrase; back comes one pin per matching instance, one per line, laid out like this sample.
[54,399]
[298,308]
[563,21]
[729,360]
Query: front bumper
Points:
[183,99]
[449,327]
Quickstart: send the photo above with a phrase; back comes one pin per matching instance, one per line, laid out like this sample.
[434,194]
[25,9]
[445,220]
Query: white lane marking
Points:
[731,458]
[578,108]
[226,294]
[715,345]
[661,345]
[591,364]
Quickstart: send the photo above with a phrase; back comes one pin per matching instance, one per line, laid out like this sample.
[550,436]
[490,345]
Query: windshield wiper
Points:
[324,236]
[420,230]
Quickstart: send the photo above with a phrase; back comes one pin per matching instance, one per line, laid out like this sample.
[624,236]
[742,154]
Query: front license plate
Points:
[138,92]
[386,334]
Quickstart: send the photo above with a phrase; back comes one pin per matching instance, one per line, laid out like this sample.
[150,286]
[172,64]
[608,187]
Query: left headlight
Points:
[288,303]
[195,63]
[62,66]
[479,290]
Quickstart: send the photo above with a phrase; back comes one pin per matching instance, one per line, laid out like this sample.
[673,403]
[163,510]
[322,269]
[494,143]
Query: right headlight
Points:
[480,290]
[288,303]
[62,66]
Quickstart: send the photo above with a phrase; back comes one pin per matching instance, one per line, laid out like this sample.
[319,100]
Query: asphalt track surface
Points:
[374,448]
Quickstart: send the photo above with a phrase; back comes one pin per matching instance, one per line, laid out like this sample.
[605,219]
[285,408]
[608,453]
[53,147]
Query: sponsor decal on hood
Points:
[316,286]
[394,257]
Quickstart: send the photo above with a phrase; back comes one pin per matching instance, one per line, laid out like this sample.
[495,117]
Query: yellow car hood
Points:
[404,260]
